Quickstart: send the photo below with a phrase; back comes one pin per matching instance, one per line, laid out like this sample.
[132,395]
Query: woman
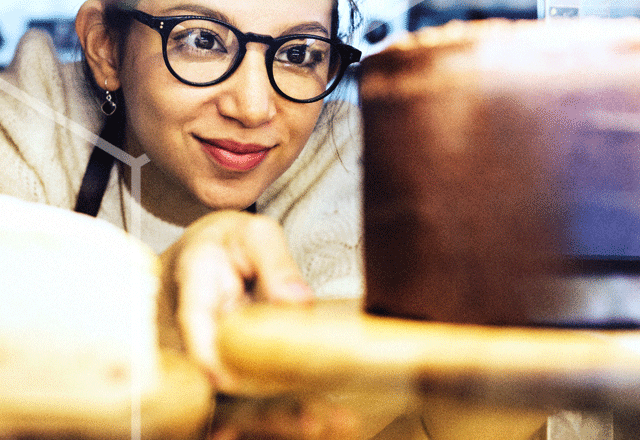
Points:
[218,135]
[224,130]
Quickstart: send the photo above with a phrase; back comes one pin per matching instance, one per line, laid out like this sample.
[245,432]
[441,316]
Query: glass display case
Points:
[384,21]
[553,9]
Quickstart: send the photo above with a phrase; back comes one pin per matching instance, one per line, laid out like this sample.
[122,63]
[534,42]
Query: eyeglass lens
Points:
[201,51]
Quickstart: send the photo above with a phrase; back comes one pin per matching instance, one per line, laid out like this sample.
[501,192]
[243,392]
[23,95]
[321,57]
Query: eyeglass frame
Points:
[165,25]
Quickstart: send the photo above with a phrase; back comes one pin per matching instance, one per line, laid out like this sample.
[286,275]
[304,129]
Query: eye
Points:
[297,54]
[303,53]
[204,40]
[199,41]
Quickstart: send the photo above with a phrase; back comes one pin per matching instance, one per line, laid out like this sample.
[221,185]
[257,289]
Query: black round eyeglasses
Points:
[203,51]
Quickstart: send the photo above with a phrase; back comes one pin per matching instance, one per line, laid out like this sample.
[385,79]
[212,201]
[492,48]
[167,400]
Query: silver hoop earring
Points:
[108,106]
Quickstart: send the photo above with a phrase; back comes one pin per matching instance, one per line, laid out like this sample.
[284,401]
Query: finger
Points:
[224,434]
[209,287]
[278,278]
[288,418]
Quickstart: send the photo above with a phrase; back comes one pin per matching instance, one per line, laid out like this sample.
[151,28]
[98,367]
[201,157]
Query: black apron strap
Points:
[94,182]
[96,177]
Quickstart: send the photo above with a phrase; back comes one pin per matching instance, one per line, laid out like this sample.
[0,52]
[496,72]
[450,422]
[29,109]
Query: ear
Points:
[99,48]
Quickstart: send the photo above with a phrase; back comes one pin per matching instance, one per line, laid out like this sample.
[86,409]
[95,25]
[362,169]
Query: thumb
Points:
[209,289]
[277,276]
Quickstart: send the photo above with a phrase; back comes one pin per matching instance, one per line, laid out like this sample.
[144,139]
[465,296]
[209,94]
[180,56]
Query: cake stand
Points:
[472,382]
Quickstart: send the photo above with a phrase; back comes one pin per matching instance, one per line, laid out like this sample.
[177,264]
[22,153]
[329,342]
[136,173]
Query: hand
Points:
[223,261]
[282,418]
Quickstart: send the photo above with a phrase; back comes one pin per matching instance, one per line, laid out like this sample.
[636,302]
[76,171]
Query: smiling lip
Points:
[233,155]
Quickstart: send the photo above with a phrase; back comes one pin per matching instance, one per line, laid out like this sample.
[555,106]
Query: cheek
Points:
[155,104]
[303,120]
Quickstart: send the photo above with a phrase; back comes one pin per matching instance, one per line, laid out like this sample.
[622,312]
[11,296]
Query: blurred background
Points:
[383,19]
[54,16]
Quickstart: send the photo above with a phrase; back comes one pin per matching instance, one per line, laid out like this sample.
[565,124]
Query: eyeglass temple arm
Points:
[354,54]
[145,18]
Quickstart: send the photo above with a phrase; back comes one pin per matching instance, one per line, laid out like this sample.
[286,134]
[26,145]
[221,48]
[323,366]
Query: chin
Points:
[233,194]
[235,204]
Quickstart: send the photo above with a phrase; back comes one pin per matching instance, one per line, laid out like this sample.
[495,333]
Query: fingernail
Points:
[296,291]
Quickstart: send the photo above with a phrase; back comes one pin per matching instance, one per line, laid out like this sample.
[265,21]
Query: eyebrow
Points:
[200,11]
[302,28]
[307,28]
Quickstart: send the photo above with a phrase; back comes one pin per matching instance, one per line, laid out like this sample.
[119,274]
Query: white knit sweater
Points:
[48,119]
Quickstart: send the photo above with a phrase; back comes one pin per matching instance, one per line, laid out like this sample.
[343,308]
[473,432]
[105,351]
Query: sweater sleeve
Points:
[42,106]
[318,203]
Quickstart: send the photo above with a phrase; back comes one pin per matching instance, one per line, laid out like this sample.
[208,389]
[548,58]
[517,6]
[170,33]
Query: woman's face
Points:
[225,144]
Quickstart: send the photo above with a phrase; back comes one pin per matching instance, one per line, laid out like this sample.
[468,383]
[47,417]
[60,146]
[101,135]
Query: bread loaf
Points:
[79,351]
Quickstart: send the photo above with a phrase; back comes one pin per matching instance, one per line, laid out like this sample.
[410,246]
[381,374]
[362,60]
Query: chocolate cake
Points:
[488,147]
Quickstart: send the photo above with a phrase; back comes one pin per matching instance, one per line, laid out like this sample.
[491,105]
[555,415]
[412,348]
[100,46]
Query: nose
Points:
[249,97]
